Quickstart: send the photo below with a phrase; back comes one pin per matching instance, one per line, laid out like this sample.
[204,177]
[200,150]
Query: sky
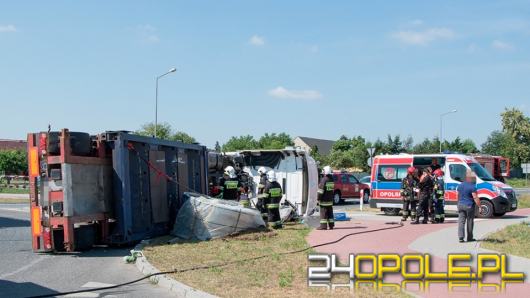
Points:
[309,68]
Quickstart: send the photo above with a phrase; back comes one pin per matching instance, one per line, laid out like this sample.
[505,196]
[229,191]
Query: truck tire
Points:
[391,211]
[337,198]
[80,143]
[486,209]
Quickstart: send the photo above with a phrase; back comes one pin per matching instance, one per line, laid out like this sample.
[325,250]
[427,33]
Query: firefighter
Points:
[261,205]
[326,188]
[425,186]
[408,194]
[430,172]
[438,197]
[273,195]
[230,185]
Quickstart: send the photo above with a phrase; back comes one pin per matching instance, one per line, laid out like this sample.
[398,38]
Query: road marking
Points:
[95,284]
[84,294]
[23,209]
[23,268]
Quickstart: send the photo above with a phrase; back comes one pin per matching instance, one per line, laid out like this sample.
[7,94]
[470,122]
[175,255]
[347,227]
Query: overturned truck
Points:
[112,188]
[116,188]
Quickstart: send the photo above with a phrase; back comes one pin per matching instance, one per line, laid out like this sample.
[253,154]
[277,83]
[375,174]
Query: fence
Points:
[14,182]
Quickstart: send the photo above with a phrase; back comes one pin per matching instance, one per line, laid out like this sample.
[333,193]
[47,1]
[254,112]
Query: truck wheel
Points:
[486,209]
[391,211]
[366,197]
[337,199]
[79,143]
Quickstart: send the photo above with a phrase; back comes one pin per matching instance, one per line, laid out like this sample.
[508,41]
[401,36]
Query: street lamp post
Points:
[441,125]
[156,97]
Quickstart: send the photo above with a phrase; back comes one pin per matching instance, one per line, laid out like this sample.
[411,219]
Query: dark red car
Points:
[348,186]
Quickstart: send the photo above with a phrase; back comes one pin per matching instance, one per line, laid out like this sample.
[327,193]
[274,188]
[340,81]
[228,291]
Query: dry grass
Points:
[513,240]
[274,276]
[523,201]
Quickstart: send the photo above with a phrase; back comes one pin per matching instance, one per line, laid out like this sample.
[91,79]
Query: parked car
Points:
[365,180]
[348,186]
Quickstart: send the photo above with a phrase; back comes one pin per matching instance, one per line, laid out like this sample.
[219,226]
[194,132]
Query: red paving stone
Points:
[397,240]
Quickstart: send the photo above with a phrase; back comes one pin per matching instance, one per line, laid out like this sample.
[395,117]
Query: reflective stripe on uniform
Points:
[326,204]
[330,186]
[331,220]
[323,221]
[320,191]
[437,216]
[273,206]
[261,186]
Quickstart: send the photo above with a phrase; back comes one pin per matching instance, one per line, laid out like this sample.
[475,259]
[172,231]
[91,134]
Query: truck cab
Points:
[496,197]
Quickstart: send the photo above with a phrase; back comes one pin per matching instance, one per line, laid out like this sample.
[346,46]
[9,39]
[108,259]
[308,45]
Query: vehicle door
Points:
[345,186]
[355,186]
[455,173]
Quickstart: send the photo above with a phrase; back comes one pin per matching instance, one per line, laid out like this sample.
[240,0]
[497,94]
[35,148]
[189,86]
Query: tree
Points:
[163,130]
[13,162]
[468,146]
[275,141]
[183,137]
[321,160]
[517,126]
[427,146]
[498,143]
[241,143]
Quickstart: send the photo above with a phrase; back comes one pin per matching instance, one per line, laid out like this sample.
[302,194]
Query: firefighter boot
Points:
[323,225]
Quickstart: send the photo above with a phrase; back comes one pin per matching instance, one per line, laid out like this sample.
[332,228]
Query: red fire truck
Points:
[498,166]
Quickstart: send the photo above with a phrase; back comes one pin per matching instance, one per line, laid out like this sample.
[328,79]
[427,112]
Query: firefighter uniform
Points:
[261,205]
[439,201]
[272,193]
[230,188]
[408,193]
[426,187]
[326,187]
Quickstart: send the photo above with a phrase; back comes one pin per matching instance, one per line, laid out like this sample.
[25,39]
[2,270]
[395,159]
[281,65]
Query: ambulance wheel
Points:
[391,211]
[486,209]
[337,198]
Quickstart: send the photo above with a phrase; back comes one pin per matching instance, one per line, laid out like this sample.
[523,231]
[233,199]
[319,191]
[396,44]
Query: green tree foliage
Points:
[516,129]
[349,153]
[322,160]
[499,143]
[275,141]
[183,137]
[166,132]
[427,146]
[13,162]
[241,143]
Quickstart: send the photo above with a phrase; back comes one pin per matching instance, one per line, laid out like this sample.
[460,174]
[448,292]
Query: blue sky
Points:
[309,68]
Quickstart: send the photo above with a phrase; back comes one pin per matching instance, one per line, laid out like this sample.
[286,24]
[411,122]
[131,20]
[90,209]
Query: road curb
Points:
[164,281]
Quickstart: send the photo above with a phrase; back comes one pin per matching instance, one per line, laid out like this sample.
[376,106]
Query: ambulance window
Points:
[457,172]
[392,173]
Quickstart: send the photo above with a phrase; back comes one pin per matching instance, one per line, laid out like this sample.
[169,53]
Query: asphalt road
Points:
[24,273]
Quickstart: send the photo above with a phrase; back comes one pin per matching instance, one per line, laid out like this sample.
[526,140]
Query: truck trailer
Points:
[113,188]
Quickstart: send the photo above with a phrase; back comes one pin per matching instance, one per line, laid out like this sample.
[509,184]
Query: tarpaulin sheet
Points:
[203,218]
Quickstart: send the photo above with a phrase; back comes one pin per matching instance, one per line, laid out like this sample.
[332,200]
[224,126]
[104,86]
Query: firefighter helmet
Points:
[271,176]
[262,170]
[411,170]
[326,170]
[230,172]
[439,172]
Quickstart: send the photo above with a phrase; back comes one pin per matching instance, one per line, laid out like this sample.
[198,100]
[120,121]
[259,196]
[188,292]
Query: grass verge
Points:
[14,190]
[513,240]
[517,182]
[274,276]
[523,201]
[13,200]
